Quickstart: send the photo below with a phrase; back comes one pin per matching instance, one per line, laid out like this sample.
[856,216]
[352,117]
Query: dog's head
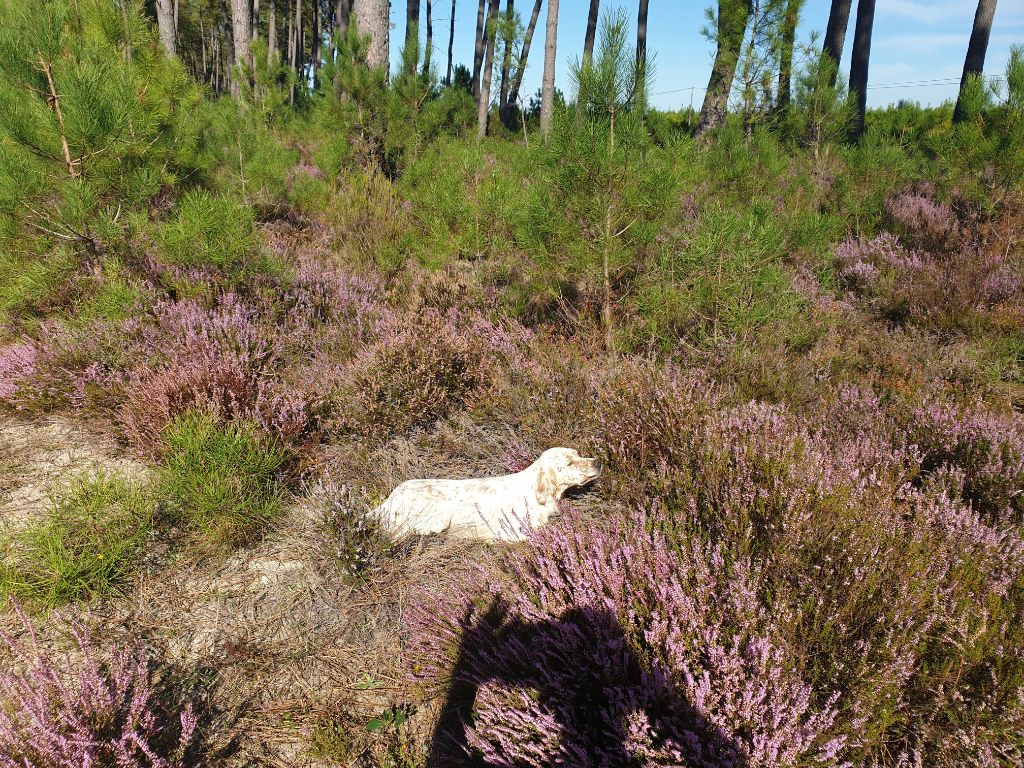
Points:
[559,469]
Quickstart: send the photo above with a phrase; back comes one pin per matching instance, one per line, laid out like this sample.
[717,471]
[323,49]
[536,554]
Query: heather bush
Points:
[357,540]
[220,483]
[415,374]
[84,546]
[219,360]
[978,455]
[90,705]
[922,222]
[17,364]
[618,646]
[963,290]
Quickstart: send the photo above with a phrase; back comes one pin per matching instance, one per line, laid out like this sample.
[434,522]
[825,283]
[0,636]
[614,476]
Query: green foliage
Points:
[209,230]
[726,279]
[598,161]
[85,545]
[220,483]
[820,112]
[94,121]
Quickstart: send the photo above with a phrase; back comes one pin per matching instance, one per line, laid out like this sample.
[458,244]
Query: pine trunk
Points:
[318,25]
[373,19]
[974,64]
[591,36]
[272,33]
[241,28]
[485,86]
[506,65]
[165,25]
[478,49]
[342,11]
[451,44]
[733,16]
[859,63]
[430,38]
[547,90]
[641,51]
[789,25]
[255,19]
[517,80]
[835,33]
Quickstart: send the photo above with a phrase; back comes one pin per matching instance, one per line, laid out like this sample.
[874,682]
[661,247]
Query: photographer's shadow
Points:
[581,670]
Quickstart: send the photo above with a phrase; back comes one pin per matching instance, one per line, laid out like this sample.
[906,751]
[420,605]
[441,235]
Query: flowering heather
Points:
[87,707]
[17,364]
[216,360]
[921,220]
[980,455]
[617,647]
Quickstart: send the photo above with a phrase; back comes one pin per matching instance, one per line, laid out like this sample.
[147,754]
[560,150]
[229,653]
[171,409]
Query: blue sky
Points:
[914,40]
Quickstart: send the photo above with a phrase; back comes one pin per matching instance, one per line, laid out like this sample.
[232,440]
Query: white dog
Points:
[496,508]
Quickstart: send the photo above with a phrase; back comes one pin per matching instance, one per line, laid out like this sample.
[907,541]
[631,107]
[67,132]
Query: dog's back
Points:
[477,508]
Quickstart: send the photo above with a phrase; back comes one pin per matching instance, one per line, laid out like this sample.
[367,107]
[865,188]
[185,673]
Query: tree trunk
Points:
[300,42]
[412,18]
[373,19]
[272,33]
[733,16]
[506,65]
[342,11]
[430,38]
[291,34]
[165,24]
[241,27]
[255,19]
[318,26]
[478,49]
[789,25]
[859,63]
[588,40]
[974,64]
[547,90]
[517,80]
[835,33]
[451,44]
[641,52]
[485,86]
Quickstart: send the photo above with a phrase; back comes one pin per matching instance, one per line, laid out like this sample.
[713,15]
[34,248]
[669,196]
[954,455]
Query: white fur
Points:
[495,508]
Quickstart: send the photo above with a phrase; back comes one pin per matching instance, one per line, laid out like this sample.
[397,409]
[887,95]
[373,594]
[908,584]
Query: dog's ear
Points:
[547,485]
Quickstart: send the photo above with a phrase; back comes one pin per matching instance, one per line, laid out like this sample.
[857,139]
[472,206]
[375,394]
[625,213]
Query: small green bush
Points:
[209,230]
[85,546]
[220,483]
[725,279]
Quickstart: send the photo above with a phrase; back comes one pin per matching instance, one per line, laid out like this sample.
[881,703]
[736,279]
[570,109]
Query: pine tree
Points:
[95,120]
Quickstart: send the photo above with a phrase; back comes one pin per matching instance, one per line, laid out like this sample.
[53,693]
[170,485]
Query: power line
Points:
[903,84]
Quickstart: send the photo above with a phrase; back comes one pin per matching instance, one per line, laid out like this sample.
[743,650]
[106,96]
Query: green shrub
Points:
[85,545]
[210,230]
[725,279]
[127,125]
[220,483]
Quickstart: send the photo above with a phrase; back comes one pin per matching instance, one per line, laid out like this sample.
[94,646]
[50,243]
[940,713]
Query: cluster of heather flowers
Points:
[618,645]
[219,360]
[922,220]
[89,706]
[825,589]
[17,364]
[932,273]
[978,455]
